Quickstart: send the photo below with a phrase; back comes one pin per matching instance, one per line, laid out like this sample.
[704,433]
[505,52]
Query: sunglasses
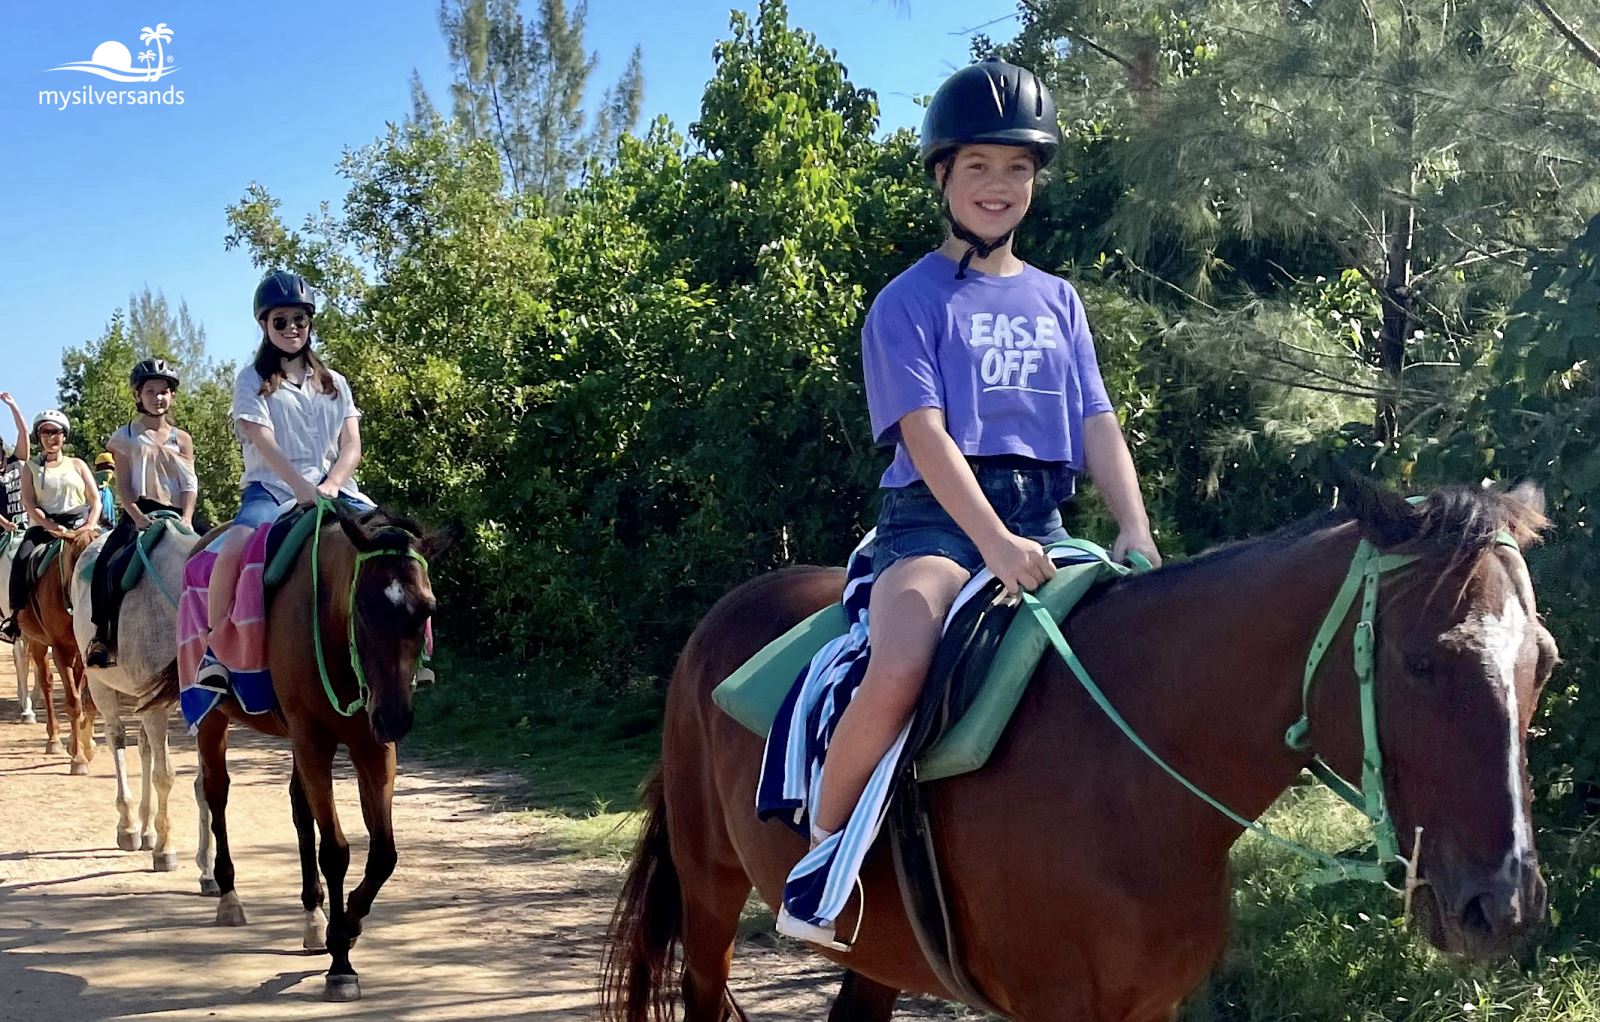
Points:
[282,323]
[52,432]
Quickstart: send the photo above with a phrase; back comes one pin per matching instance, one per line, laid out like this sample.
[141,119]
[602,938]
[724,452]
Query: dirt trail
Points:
[482,919]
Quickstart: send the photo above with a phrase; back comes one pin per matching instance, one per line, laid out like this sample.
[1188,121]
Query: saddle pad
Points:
[147,541]
[289,534]
[753,694]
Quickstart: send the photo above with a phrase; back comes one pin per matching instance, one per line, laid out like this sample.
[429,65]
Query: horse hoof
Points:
[316,935]
[79,769]
[230,912]
[209,888]
[51,747]
[27,718]
[164,862]
[147,843]
[127,841]
[342,988]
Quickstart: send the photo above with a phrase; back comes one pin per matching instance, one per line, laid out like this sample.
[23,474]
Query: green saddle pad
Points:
[147,541]
[281,561]
[753,694]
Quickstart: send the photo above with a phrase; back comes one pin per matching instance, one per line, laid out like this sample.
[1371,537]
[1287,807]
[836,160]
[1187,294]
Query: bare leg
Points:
[225,575]
[909,602]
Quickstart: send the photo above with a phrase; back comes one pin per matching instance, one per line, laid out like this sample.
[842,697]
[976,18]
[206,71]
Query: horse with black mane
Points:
[346,634]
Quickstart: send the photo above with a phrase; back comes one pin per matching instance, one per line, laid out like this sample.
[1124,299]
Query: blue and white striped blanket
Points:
[819,886]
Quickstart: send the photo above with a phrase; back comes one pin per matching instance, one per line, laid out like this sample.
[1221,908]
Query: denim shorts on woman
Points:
[1026,494]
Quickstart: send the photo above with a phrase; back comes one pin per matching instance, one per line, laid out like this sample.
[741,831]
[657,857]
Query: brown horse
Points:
[46,625]
[1084,883]
[385,560]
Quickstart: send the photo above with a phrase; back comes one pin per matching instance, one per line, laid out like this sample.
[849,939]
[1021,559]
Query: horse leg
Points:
[313,758]
[20,662]
[117,734]
[204,857]
[213,742]
[712,905]
[52,735]
[863,1000]
[147,831]
[311,893]
[163,858]
[75,688]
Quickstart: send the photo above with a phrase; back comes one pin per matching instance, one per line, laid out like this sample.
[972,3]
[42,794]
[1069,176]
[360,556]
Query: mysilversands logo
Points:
[114,62]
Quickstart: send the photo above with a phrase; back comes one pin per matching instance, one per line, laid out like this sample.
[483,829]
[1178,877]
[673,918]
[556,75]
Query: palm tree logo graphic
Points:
[112,60]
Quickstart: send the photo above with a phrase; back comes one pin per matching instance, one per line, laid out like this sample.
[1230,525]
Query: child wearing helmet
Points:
[152,464]
[105,479]
[981,376]
[298,425]
[57,494]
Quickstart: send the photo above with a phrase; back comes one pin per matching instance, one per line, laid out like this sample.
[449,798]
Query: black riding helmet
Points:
[992,102]
[284,288]
[154,369]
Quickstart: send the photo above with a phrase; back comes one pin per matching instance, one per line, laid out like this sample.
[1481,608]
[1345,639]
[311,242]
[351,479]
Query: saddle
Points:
[288,537]
[127,563]
[979,671]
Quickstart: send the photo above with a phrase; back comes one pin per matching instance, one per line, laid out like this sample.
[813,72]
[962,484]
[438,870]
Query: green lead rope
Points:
[323,505]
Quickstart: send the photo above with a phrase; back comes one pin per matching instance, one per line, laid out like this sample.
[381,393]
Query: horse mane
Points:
[1454,524]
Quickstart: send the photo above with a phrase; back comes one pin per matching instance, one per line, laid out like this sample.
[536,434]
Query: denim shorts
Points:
[258,506]
[1026,494]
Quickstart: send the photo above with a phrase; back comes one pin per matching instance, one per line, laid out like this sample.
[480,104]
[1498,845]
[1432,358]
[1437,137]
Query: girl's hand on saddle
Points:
[1020,564]
[304,493]
[1135,541]
[328,488]
[141,521]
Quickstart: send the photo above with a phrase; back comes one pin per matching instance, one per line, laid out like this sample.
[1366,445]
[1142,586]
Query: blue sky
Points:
[99,201]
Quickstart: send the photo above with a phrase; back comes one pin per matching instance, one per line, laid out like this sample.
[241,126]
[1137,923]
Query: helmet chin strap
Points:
[976,245]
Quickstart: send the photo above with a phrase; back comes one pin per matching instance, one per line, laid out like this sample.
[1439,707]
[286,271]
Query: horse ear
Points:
[359,537]
[1530,495]
[1386,518]
[436,544]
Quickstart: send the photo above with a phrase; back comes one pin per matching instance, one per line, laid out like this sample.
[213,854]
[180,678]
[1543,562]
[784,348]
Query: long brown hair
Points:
[269,366]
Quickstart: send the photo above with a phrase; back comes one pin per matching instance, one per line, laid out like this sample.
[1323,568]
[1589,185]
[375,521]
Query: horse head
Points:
[1460,658]
[387,607]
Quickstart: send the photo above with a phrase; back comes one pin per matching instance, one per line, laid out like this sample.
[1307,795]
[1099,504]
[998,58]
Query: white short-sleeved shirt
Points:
[305,423]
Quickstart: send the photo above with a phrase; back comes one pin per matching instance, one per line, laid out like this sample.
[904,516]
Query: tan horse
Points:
[1085,885]
[46,624]
[136,690]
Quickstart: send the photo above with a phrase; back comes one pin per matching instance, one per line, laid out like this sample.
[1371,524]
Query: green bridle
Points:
[1367,567]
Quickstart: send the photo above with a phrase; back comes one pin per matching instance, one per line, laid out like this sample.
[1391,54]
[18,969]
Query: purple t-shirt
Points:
[1008,359]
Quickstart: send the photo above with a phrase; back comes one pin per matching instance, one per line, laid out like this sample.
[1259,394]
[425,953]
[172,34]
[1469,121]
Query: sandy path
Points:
[482,920]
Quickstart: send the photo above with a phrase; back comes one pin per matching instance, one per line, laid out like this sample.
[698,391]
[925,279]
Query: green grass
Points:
[1341,952]
[580,754]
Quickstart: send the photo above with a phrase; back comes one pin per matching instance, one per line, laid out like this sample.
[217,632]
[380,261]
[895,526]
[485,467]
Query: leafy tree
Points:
[523,87]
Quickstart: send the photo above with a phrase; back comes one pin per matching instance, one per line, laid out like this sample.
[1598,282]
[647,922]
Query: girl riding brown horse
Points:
[345,637]
[1084,883]
[58,496]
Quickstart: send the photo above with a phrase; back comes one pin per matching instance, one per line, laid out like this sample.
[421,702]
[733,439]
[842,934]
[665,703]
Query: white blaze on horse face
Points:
[395,593]
[1503,638]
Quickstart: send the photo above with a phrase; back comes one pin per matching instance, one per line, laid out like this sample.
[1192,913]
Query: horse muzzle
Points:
[1486,917]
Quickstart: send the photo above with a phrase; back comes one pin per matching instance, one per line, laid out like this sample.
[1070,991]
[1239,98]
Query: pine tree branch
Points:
[1585,49]
[1078,37]
[505,140]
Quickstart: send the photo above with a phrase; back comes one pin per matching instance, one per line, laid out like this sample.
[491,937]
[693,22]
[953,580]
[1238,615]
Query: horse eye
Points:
[1419,666]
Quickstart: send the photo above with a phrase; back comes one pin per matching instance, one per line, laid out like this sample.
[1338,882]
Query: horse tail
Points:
[641,969]
[164,689]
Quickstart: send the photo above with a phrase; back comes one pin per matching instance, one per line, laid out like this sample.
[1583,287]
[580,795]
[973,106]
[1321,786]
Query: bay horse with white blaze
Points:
[346,631]
[1085,885]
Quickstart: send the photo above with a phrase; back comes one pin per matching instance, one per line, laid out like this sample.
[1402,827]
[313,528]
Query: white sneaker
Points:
[799,929]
